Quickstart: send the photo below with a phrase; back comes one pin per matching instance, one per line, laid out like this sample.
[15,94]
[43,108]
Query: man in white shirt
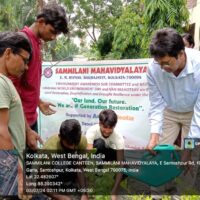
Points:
[174,82]
[107,141]
[104,137]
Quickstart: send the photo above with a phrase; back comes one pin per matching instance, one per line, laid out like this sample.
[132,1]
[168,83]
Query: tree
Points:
[104,44]
[124,27]
[166,13]
[132,32]
[128,34]
[93,16]
[8,15]
[61,49]
[15,14]
[90,17]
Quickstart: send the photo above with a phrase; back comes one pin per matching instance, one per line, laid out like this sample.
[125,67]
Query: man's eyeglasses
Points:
[164,64]
[26,60]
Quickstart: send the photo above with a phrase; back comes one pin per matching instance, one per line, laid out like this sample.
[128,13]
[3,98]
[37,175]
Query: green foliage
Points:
[132,31]
[7,15]
[61,49]
[65,48]
[127,34]
[91,16]
[104,44]
[165,13]
[28,13]
[93,53]
[125,29]
[15,14]
[69,5]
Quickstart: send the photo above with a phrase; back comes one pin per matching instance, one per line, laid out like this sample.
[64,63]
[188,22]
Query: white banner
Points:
[82,90]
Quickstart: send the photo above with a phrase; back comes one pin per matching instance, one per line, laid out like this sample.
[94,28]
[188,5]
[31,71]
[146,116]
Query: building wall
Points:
[194,8]
[191,3]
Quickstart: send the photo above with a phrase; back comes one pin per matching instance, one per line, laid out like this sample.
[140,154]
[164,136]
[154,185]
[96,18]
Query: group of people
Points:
[103,137]
[20,78]
[21,62]
[173,78]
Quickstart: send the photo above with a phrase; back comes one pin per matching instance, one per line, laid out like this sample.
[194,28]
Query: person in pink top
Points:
[49,23]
